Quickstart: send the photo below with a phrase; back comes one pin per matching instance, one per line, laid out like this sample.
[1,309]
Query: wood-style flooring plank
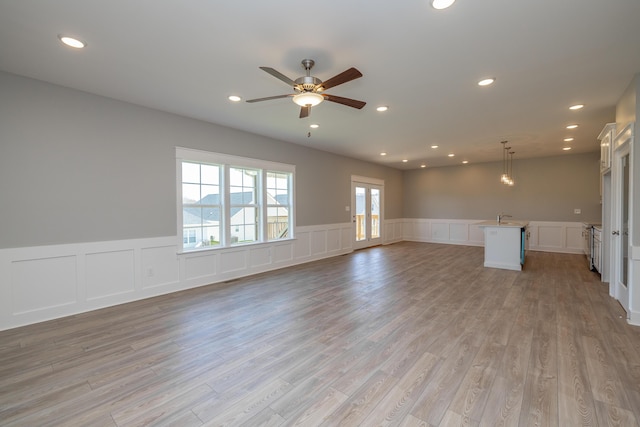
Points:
[410,334]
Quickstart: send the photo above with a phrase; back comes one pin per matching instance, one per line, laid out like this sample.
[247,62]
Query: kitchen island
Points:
[505,244]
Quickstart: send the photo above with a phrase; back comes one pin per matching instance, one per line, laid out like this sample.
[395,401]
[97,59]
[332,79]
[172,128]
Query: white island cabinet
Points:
[505,244]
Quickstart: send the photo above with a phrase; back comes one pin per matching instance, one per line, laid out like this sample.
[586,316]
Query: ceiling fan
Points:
[308,89]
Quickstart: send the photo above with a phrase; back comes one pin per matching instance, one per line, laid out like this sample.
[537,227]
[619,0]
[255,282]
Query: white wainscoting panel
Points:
[48,282]
[283,253]
[260,256]
[160,267]
[318,242]
[346,241]
[44,282]
[392,231]
[546,236]
[302,248]
[562,237]
[109,274]
[459,233]
[333,239]
[233,261]
[549,237]
[440,231]
[476,235]
[200,265]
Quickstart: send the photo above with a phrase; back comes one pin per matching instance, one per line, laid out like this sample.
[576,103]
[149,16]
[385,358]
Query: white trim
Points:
[367,180]
[187,154]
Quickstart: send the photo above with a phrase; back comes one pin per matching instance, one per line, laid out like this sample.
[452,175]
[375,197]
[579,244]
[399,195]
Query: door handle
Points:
[615,233]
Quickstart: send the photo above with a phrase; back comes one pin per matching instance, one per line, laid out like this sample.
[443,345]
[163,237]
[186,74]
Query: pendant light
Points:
[511,182]
[507,165]
[505,176]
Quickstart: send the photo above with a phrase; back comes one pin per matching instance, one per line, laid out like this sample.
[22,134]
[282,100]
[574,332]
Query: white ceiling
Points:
[188,56]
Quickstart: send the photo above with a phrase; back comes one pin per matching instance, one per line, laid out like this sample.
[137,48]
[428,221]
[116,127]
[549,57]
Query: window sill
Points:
[233,247]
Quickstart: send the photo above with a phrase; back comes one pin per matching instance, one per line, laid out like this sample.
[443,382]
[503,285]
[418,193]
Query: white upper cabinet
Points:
[606,145]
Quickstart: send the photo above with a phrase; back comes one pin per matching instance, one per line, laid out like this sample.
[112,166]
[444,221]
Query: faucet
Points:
[502,215]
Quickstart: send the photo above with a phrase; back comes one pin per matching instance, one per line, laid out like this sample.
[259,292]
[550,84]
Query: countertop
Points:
[503,224]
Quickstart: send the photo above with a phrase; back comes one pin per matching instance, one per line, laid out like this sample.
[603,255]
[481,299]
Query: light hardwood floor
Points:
[411,334]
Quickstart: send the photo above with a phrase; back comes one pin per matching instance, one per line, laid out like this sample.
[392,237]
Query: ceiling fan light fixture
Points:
[308,98]
[441,4]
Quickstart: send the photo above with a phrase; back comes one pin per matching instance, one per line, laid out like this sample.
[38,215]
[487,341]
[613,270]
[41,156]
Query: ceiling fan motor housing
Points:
[307,83]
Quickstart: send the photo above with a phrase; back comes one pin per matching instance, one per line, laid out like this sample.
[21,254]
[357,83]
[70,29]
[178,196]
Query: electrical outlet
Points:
[577,211]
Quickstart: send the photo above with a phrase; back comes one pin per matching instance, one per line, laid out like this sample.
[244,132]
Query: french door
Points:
[620,242]
[366,211]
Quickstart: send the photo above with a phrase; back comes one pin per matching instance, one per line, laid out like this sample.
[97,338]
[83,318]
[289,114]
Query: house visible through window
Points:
[227,200]
[278,208]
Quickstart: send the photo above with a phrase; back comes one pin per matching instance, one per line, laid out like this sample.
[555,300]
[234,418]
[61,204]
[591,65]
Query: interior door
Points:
[366,210]
[620,228]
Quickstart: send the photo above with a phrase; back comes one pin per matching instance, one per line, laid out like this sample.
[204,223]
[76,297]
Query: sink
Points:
[511,224]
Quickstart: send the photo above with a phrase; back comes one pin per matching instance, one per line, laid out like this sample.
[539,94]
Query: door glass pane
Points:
[360,213]
[624,201]
[375,213]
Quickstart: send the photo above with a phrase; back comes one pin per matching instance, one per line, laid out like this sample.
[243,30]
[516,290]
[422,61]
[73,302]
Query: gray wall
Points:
[546,189]
[628,111]
[76,167]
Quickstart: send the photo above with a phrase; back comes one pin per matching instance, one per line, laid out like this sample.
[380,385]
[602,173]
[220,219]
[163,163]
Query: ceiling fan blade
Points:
[269,98]
[304,111]
[278,75]
[345,101]
[345,76]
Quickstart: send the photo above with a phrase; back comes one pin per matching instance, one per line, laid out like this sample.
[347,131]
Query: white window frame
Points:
[225,161]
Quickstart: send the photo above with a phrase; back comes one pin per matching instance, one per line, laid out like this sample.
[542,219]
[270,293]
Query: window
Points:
[226,200]
[278,208]
[201,205]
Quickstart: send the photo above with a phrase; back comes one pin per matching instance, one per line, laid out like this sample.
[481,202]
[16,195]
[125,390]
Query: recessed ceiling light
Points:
[72,42]
[572,126]
[576,107]
[234,98]
[404,160]
[423,166]
[450,154]
[314,126]
[486,82]
[383,153]
[434,146]
[382,108]
[441,4]
[464,162]
[566,148]
[568,139]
